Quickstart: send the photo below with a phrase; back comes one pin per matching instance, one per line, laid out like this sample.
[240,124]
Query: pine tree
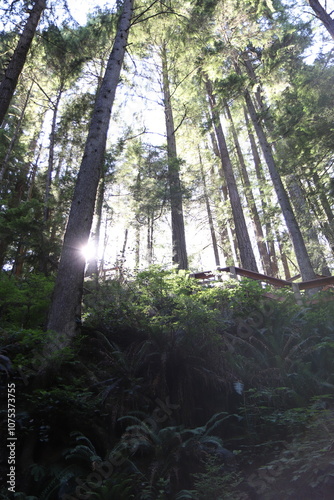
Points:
[65,310]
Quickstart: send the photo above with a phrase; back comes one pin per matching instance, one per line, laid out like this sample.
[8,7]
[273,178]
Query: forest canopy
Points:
[238,94]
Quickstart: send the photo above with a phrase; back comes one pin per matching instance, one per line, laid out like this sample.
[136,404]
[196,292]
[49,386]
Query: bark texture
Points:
[324,17]
[16,64]
[178,232]
[65,309]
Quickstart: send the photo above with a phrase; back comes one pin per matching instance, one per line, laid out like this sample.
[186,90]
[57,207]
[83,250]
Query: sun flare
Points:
[88,251]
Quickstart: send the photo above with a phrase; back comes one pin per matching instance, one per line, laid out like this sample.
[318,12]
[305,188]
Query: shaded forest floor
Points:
[170,391]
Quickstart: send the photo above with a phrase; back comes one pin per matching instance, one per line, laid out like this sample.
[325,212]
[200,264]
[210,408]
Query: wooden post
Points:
[297,294]
[233,273]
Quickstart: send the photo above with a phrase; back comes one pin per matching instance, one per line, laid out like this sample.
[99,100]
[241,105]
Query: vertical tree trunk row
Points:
[226,230]
[250,198]
[303,259]
[317,256]
[244,243]
[51,156]
[264,205]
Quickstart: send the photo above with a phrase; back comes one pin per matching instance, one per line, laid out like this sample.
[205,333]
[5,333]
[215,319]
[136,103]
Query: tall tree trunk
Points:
[209,212]
[324,202]
[250,198]
[273,270]
[65,312]
[302,256]
[137,247]
[227,238]
[33,172]
[244,244]
[319,203]
[16,64]
[17,268]
[150,226]
[317,256]
[21,252]
[20,256]
[51,156]
[324,17]
[178,232]
[93,264]
[105,243]
[122,254]
[284,259]
[15,201]
[303,259]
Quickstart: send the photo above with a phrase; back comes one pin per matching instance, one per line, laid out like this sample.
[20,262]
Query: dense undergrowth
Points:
[171,391]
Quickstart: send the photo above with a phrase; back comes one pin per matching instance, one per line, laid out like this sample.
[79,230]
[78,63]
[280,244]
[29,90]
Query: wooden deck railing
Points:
[321,282]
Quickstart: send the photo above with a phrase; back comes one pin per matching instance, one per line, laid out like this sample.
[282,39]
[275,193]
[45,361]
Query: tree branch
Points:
[153,15]
[182,120]
[143,12]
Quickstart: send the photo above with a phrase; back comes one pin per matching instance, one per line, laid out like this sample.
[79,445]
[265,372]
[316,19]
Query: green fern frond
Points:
[81,451]
[186,495]
[61,477]
[80,437]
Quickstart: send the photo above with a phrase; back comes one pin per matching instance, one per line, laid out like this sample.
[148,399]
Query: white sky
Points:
[79,9]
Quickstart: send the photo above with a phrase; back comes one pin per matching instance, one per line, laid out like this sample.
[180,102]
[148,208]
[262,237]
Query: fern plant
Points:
[170,448]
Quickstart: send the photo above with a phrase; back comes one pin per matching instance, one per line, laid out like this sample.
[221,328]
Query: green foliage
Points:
[20,223]
[119,487]
[150,187]
[66,399]
[62,52]
[241,372]
[24,301]
[214,483]
[175,375]
[304,465]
